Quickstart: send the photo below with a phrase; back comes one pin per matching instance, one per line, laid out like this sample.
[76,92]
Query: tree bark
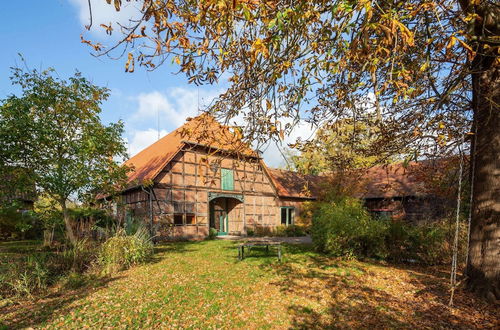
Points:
[67,222]
[483,267]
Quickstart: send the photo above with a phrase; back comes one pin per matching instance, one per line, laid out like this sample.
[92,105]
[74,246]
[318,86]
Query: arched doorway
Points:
[225,212]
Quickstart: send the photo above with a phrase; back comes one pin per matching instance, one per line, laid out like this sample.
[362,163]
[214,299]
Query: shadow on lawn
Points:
[350,295]
[33,313]
[177,247]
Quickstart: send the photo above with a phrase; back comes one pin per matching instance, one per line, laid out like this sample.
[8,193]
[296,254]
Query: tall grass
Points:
[26,277]
[34,273]
[122,251]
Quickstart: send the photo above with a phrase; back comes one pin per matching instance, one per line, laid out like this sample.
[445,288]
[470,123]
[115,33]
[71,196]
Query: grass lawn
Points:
[203,285]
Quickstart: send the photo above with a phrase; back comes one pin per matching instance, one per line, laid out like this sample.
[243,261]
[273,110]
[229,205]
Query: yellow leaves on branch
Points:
[273,130]
[259,47]
[97,47]
[391,29]
[406,34]
[269,105]
[424,67]
[108,28]
[453,40]
[117,3]
[129,66]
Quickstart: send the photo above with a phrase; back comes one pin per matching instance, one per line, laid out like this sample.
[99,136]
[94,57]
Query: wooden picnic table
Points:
[250,244]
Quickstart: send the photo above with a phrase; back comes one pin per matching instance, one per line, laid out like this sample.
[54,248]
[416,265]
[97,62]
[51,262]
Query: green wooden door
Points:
[223,223]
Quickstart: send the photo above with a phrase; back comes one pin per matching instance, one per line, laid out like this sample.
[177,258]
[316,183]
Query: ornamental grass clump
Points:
[122,251]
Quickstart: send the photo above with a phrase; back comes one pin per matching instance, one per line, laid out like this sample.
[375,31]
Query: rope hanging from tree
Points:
[454,261]
[469,218]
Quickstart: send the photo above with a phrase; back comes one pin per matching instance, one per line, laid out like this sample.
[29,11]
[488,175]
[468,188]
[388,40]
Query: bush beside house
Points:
[343,228]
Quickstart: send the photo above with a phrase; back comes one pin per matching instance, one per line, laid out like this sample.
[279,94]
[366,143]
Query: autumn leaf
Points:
[259,46]
[268,104]
[117,3]
[129,65]
[108,28]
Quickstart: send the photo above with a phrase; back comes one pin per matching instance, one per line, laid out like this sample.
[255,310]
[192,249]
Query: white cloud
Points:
[102,13]
[273,151]
[172,108]
[176,104]
[140,139]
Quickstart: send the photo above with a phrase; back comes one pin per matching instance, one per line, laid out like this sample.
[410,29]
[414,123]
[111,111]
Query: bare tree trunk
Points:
[67,222]
[483,267]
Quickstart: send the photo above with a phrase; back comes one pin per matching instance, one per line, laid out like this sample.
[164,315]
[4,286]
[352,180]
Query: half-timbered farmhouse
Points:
[203,176]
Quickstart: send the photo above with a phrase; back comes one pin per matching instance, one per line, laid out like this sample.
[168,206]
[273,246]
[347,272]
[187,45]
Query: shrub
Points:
[306,213]
[289,231]
[18,223]
[430,243]
[74,280]
[98,217]
[280,231]
[212,233]
[122,251]
[344,228]
[398,239]
[250,232]
[78,257]
[261,231]
[295,231]
[73,265]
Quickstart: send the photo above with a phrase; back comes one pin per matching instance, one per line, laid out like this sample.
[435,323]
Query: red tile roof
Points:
[296,185]
[393,180]
[202,130]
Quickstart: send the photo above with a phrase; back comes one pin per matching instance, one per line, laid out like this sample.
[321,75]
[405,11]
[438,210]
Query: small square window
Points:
[178,219]
[190,219]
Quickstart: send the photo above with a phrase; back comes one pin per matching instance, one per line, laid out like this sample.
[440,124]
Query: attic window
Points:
[227,179]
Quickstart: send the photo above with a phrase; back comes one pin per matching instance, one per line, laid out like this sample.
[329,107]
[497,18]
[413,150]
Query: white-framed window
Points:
[287,215]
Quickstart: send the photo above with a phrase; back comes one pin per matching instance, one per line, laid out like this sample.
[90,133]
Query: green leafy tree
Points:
[432,65]
[53,130]
[343,145]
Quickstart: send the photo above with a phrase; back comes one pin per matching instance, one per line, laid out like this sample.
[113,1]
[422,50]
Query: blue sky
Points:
[47,34]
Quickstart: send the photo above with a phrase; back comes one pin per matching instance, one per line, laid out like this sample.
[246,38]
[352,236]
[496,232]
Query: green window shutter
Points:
[227,179]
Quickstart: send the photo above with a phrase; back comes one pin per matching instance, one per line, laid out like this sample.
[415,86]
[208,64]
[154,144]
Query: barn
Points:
[202,175]
[415,192]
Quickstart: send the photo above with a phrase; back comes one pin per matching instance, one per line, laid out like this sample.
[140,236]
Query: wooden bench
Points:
[250,245]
